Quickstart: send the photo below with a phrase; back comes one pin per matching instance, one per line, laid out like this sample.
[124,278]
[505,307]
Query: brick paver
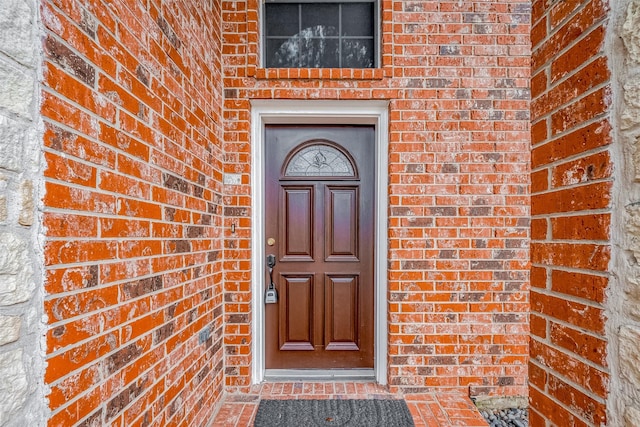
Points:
[428,409]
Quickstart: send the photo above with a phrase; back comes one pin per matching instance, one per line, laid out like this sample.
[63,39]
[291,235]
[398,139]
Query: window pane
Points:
[319,160]
[282,53]
[319,34]
[319,53]
[357,19]
[357,53]
[281,19]
[321,14]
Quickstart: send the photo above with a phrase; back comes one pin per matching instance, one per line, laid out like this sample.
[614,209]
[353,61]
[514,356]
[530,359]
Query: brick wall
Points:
[22,400]
[457,77]
[623,296]
[133,210]
[138,246]
[571,200]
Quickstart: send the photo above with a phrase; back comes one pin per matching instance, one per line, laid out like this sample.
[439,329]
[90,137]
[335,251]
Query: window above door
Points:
[325,34]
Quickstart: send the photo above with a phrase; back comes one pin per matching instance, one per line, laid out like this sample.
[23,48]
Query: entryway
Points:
[319,227]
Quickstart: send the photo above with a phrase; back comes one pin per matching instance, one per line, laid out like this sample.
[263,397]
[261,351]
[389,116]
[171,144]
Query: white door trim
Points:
[265,112]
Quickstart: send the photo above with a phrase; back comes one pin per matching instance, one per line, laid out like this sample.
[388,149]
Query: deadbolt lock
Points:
[271,241]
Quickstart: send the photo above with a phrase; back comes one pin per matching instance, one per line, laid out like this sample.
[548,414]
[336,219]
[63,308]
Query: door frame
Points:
[319,112]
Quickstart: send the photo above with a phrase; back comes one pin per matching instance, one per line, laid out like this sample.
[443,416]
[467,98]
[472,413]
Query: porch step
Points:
[428,409]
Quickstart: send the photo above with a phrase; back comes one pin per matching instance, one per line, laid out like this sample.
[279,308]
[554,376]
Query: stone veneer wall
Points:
[624,295]
[22,395]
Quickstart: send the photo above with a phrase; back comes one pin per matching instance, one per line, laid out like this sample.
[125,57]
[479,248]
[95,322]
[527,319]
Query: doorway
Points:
[331,305]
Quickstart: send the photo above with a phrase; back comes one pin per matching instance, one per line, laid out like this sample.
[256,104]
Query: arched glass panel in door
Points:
[319,159]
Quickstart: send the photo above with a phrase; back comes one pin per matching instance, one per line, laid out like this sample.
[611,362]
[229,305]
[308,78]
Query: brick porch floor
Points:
[428,409]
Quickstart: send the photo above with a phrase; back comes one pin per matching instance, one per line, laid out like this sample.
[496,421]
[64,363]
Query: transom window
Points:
[319,34]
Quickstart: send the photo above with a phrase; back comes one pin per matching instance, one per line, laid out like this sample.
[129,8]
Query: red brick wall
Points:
[457,77]
[571,192]
[131,101]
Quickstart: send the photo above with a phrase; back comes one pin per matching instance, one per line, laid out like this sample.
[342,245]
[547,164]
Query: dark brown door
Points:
[320,226]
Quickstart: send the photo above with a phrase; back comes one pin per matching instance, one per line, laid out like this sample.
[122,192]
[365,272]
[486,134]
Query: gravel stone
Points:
[510,417]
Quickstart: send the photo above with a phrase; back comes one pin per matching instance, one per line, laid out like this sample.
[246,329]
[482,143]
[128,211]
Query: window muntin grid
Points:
[319,34]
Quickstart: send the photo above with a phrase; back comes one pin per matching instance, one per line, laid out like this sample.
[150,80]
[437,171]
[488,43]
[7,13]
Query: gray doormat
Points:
[333,412]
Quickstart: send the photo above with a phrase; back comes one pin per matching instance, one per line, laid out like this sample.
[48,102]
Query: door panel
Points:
[342,219]
[319,220]
[297,227]
[296,313]
[342,313]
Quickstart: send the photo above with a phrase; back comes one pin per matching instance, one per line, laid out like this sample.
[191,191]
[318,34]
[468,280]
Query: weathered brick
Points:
[175,183]
[582,198]
[561,82]
[589,168]
[583,110]
[583,227]
[142,286]
[92,79]
[580,82]
[175,120]
[586,49]
[575,313]
[581,140]
[583,285]
[69,60]
[577,401]
[592,379]
[576,255]
[578,342]
[592,12]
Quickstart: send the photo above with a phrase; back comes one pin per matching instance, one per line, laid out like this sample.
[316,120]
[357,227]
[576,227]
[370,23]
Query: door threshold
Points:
[272,375]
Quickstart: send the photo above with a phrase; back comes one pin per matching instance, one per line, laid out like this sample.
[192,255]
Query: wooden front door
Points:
[319,216]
